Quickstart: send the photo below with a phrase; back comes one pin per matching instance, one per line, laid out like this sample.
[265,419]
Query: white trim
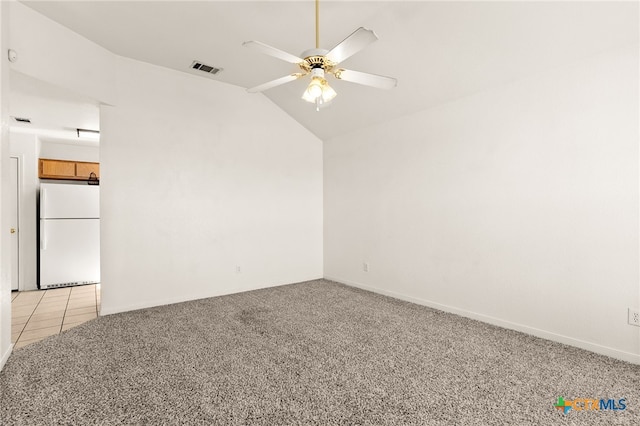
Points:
[150,304]
[592,347]
[5,356]
[21,246]
[638,300]
[185,298]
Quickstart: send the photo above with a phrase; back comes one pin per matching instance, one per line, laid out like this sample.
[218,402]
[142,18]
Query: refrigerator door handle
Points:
[43,234]
[43,222]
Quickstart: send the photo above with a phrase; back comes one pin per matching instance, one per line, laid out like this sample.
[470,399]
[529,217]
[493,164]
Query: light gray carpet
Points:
[308,353]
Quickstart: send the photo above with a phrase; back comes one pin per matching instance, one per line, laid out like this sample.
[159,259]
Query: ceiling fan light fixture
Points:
[314,90]
[318,91]
[328,93]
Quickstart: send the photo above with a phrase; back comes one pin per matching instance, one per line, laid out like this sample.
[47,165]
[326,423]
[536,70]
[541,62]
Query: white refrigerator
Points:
[69,235]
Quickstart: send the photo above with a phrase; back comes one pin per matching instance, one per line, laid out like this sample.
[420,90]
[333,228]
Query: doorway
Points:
[36,313]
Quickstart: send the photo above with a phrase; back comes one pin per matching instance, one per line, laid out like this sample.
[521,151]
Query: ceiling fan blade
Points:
[357,41]
[274,83]
[272,51]
[373,80]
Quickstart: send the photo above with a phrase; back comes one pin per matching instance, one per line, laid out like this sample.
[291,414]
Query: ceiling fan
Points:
[321,63]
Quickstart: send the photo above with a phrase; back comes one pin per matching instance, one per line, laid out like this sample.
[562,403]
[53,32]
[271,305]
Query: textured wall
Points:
[518,205]
[200,178]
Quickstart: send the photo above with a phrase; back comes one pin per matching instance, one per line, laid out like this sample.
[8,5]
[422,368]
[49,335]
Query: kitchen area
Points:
[55,231]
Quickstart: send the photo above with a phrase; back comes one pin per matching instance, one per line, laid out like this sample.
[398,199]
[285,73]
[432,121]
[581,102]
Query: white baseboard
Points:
[109,310]
[593,347]
[5,356]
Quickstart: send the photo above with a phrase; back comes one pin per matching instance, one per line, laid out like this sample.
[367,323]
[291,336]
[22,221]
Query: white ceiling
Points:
[55,113]
[438,51]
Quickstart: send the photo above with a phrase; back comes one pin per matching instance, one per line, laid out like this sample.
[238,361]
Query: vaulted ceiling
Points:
[438,51]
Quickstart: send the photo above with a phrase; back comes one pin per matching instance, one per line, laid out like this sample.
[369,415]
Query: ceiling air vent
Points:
[22,120]
[197,65]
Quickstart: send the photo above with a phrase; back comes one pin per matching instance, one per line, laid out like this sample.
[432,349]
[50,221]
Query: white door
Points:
[14,206]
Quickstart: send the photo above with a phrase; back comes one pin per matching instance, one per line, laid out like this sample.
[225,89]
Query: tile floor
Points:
[38,314]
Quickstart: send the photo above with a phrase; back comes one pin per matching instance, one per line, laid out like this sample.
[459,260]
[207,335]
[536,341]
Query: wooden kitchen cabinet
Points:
[55,169]
[69,170]
[84,170]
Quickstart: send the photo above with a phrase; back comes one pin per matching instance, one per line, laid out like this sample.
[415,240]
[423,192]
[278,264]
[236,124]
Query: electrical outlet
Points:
[238,270]
[365,267]
[634,317]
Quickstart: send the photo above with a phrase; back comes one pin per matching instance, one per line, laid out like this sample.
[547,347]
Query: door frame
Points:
[18,213]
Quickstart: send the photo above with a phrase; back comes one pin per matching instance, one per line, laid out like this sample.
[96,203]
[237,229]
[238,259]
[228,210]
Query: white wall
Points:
[517,206]
[69,151]
[5,259]
[199,177]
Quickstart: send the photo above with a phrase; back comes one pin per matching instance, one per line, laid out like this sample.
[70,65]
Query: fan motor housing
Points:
[315,58]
